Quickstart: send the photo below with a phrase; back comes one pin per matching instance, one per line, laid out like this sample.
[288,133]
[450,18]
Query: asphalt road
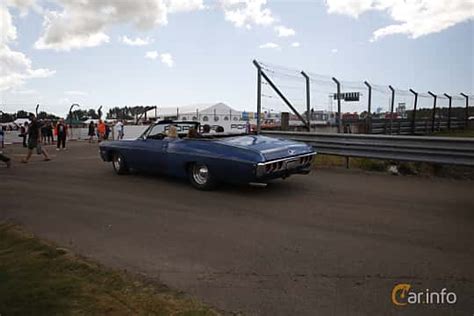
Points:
[331,243]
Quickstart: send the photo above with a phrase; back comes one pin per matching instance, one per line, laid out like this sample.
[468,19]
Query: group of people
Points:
[34,136]
[47,130]
[102,130]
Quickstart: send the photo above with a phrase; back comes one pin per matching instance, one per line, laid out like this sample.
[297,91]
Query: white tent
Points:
[21,121]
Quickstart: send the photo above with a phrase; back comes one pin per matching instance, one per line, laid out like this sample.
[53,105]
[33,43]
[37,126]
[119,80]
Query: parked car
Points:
[208,159]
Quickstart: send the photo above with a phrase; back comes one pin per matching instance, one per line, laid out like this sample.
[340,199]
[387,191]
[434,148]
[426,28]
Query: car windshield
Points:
[160,129]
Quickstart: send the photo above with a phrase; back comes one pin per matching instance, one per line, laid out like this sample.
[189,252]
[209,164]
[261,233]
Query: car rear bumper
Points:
[282,168]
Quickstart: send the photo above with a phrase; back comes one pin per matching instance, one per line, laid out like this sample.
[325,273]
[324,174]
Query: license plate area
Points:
[292,164]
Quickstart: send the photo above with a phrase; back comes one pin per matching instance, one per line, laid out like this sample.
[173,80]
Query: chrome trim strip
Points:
[285,159]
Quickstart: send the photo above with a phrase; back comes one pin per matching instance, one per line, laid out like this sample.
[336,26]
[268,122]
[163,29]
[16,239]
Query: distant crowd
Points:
[44,132]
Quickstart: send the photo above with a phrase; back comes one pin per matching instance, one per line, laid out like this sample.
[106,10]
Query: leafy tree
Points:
[22,114]
[47,116]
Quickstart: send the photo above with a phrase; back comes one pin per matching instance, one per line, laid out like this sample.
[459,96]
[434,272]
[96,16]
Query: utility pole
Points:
[338,95]
[392,103]
[369,107]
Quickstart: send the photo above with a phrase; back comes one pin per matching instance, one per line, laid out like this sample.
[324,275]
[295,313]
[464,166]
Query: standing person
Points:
[101,130]
[107,131]
[6,160]
[119,129]
[34,140]
[91,131]
[61,131]
[50,133]
[44,131]
[24,133]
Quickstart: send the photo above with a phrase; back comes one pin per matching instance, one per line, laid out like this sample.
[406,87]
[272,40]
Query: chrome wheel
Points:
[117,162]
[200,174]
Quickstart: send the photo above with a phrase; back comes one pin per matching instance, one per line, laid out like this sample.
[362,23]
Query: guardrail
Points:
[443,150]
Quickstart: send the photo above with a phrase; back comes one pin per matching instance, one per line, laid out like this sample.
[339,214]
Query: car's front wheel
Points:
[201,177]
[119,164]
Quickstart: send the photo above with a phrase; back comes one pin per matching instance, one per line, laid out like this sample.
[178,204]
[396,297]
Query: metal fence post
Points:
[259,94]
[433,118]
[308,99]
[369,107]
[467,109]
[338,96]
[413,119]
[392,103]
[449,109]
[281,95]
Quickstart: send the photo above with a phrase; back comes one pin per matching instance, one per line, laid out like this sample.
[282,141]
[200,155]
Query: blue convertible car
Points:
[209,158]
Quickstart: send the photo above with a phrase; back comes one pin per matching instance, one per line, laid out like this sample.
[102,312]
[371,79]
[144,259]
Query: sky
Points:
[180,52]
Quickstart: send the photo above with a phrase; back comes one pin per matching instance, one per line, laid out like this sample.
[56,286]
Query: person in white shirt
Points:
[119,129]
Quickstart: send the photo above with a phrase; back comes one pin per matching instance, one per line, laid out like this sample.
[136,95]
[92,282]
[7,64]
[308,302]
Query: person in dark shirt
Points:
[24,133]
[44,131]
[34,140]
[61,131]
[50,133]
[91,131]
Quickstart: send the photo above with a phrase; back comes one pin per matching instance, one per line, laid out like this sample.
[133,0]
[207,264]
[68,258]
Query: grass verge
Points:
[456,133]
[38,278]
[404,168]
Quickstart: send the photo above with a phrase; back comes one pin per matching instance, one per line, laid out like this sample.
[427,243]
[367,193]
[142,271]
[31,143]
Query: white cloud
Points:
[23,5]
[295,44]
[167,59]
[75,92]
[284,31]
[82,23]
[245,13]
[184,5]
[64,101]
[414,18]
[138,41]
[15,67]
[152,54]
[334,50]
[24,92]
[270,45]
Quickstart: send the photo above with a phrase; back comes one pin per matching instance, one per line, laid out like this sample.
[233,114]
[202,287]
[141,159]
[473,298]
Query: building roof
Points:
[202,108]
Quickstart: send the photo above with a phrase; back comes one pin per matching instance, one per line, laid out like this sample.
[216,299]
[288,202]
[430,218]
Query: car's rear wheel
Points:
[201,177]
[119,164]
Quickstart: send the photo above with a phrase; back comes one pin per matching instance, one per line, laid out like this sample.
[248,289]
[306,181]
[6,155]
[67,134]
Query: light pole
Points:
[70,115]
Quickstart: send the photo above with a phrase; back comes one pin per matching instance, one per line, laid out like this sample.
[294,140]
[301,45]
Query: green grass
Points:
[456,133]
[37,278]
